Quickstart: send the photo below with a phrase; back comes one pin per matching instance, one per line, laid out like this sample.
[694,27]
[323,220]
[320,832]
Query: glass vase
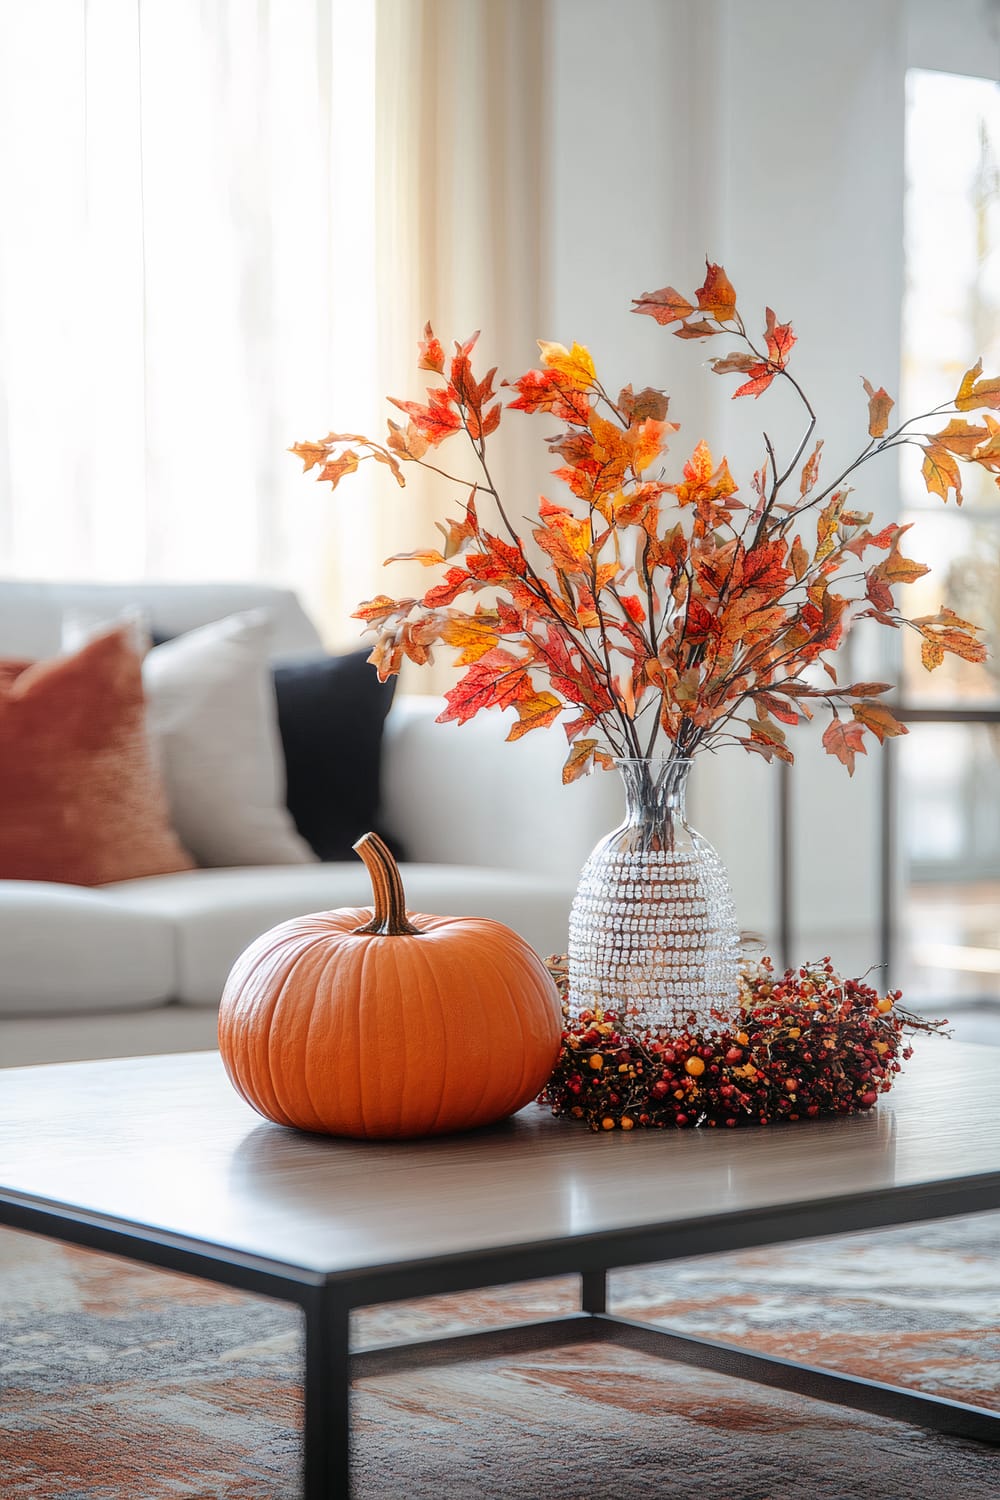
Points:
[652,932]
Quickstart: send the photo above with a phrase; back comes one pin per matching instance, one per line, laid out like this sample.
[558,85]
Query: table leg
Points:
[594,1291]
[328,1392]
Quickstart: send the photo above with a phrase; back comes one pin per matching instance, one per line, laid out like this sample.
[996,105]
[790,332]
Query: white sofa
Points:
[138,967]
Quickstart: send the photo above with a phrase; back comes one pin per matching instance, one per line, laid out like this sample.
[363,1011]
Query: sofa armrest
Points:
[459,794]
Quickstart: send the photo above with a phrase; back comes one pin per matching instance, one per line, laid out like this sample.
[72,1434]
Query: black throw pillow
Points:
[331,710]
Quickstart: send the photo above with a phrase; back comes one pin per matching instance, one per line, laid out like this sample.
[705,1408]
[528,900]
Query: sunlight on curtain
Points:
[187,286]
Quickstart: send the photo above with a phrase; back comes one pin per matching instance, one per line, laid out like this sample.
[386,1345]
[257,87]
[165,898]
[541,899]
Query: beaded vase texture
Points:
[652,932]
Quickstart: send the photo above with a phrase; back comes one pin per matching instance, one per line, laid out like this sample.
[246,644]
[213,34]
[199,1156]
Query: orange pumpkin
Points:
[378,1024]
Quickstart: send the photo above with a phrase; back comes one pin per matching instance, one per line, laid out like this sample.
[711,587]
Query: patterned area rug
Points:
[122,1383]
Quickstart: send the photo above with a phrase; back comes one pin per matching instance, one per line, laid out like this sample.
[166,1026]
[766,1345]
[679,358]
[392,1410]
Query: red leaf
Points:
[436,421]
[779,338]
[844,741]
[456,581]
[632,605]
[717,297]
[666,305]
[761,376]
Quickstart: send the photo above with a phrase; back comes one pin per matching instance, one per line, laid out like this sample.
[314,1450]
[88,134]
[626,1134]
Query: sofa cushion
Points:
[331,710]
[81,799]
[31,611]
[213,719]
[72,951]
[217,913]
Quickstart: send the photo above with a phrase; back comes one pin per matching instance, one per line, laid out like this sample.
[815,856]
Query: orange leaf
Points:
[648,403]
[771,737]
[974,393]
[582,758]
[941,472]
[458,534]
[844,741]
[335,470]
[963,438]
[310,454]
[946,631]
[877,718]
[810,470]
[779,339]
[382,457]
[427,557]
[666,305]
[880,404]
[699,330]
[576,727]
[800,560]
[407,440]
[771,704]
[866,689]
[431,352]
[536,712]
[376,611]
[734,363]
[717,297]
[474,634]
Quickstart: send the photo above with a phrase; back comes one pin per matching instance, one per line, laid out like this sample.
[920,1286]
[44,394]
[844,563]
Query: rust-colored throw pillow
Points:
[81,800]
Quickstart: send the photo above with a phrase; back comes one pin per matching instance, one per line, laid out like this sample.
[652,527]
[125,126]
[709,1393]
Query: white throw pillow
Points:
[213,720]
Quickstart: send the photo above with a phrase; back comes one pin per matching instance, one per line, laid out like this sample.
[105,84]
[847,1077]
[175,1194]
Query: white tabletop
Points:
[165,1142]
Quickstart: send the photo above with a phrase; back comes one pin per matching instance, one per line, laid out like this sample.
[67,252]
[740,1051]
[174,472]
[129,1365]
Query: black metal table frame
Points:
[327,1302]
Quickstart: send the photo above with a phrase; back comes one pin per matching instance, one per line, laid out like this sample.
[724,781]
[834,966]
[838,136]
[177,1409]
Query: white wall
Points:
[769,135]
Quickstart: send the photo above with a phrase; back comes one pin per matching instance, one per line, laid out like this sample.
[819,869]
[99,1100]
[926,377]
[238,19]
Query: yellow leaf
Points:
[575,365]
[826,526]
[931,654]
[535,713]
[940,471]
[474,634]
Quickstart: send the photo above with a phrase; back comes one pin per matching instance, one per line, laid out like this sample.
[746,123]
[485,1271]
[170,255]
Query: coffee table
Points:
[158,1159]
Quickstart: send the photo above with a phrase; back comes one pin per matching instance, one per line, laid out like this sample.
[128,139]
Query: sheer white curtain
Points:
[187,286]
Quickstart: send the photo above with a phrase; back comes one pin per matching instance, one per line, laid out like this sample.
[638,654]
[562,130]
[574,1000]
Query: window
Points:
[948,805]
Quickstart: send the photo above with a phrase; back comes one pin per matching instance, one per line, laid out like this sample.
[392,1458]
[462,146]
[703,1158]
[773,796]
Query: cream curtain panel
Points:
[223,228]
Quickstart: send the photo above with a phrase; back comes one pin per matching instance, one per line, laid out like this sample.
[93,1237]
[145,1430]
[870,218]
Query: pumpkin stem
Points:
[389,918]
